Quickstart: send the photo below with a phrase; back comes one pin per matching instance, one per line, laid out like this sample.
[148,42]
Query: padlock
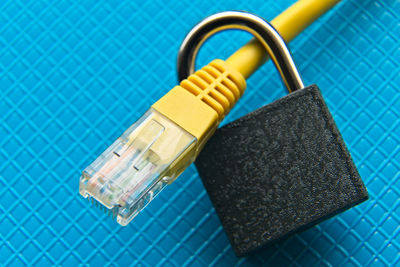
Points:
[280,169]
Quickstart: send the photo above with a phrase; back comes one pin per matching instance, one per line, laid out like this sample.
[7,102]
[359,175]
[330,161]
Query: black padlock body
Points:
[279,170]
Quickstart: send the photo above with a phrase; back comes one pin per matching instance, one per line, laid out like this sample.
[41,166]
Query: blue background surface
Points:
[75,74]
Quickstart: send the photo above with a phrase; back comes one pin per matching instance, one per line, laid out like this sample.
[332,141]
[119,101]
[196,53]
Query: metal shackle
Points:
[263,31]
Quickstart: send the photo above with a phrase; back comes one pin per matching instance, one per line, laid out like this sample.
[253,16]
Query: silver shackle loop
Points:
[261,29]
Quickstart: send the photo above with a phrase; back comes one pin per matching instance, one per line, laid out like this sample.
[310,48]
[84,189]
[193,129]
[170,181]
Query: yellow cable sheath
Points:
[289,24]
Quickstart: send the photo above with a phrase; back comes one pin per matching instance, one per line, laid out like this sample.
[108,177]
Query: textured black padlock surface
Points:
[279,170]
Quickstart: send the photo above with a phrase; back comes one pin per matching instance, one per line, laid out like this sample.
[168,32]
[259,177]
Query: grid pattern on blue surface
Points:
[75,74]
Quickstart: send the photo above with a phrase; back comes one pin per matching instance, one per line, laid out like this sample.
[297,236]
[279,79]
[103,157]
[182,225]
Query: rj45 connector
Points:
[138,165]
[161,144]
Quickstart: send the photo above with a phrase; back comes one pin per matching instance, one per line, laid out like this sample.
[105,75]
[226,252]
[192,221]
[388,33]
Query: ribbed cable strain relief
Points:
[218,85]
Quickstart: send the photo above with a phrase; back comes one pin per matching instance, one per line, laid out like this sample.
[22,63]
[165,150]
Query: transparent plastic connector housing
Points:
[138,165]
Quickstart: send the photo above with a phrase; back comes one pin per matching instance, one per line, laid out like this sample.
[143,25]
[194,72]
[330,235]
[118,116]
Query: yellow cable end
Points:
[202,100]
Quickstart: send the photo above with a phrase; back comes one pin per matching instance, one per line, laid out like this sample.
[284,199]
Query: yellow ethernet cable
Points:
[289,24]
[157,148]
